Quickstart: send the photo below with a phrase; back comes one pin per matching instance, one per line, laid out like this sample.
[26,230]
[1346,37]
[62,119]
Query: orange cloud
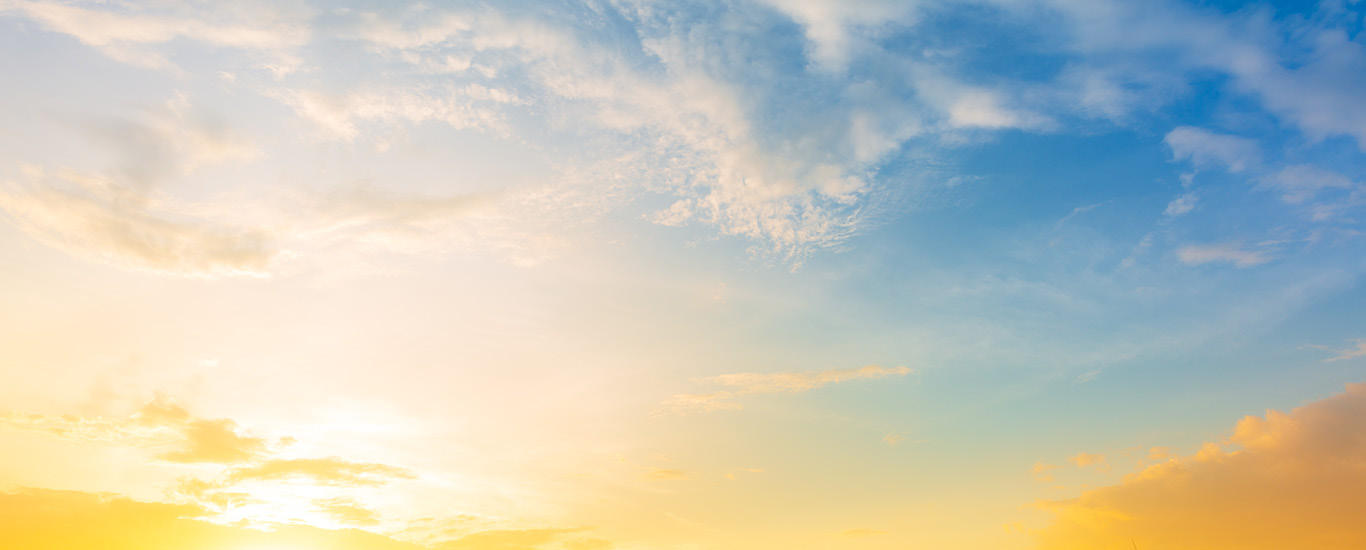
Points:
[1298,481]
[1040,471]
[328,471]
[1160,453]
[1083,460]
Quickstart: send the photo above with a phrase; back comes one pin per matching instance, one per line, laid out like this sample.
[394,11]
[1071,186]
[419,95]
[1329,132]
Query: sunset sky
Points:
[704,275]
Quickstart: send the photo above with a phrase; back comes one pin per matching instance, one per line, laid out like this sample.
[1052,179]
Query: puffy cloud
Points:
[747,383]
[1229,253]
[1288,480]
[326,471]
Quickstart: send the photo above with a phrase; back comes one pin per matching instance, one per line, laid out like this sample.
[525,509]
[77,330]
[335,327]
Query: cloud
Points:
[1182,204]
[1041,471]
[157,424]
[459,107]
[72,520]
[1288,480]
[347,511]
[747,383]
[216,441]
[1205,148]
[1229,253]
[1301,182]
[1083,460]
[95,217]
[832,27]
[130,36]
[1344,355]
[325,471]
[1306,71]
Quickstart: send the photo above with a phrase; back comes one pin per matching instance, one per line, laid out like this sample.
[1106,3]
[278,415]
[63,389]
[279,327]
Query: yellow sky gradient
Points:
[698,275]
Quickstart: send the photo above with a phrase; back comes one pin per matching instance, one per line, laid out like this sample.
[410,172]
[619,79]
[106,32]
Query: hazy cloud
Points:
[326,471]
[1229,253]
[95,217]
[158,424]
[747,383]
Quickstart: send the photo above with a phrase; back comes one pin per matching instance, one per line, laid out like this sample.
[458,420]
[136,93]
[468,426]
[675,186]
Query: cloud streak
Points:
[750,383]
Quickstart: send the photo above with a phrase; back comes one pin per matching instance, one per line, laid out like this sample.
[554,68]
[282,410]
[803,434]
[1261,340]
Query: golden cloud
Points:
[157,424]
[39,519]
[346,510]
[327,471]
[1291,480]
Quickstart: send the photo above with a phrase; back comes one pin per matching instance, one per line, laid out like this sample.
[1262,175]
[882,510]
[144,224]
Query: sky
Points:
[683,275]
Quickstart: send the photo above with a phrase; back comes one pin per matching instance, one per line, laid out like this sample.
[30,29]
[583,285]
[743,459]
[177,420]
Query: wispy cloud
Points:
[126,35]
[1350,353]
[1087,460]
[1228,253]
[749,383]
[1203,148]
[329,471]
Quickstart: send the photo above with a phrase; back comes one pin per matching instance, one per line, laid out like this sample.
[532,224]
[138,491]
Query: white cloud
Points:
[1182,204]
[128,34]
[1203,148]
[832,27]
[1301,182]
